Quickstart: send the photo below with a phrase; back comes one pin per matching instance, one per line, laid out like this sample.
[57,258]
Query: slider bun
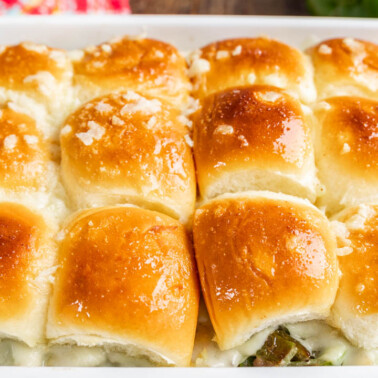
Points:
[253,138]
[148,66]
[246,61]
[26,255]
[26,172]
[125,148]
[347,151]
[355,310]
[263,259]
[345,67]
[37,78]
[126,281]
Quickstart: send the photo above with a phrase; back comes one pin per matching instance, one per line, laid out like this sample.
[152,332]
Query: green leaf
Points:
[344,8]
[280,349]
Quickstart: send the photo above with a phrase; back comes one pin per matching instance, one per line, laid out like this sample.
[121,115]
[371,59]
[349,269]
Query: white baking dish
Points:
[186,32]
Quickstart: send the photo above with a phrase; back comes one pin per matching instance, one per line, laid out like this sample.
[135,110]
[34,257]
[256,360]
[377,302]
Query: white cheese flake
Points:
[159,54]
[95,132]
[185,120]
[237,50]
[59,57]
[222,54]
[353,45]
[324,49]
[41,49]
[199,67]
[243,140]
[151,122]
[142,105]
[116,121]
[31,139]
[10,142]
[224,130]
[76,55]
[106,48]
[346,149]
[103,107]
[66,130]
[270,96]
[189,140]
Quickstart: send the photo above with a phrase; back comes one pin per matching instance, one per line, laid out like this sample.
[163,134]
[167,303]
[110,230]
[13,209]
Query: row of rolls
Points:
[133,178]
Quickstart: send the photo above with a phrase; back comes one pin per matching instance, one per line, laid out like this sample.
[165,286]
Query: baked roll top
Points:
[126,148]
[347,151]
[27,253]
[245,61]
[126,281]
[254,137]
[148,66]
[38,78]
[355,310]
[24,153]
[345,67]
[263,259]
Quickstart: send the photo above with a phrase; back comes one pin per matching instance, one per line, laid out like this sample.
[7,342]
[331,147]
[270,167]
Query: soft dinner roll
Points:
[37,77]
[264,259]
[347,151]
[26,256]
[253,138]
[148,66]
[246,61]
[125,148]
[345,67]
[26,171]
[126,282]
[355,310]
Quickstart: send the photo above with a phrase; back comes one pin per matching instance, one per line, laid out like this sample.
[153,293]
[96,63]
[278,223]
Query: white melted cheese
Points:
[316,336]
[72,355]
[15,353]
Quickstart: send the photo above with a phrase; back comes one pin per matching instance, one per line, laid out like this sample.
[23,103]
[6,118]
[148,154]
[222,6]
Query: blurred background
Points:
[346,8]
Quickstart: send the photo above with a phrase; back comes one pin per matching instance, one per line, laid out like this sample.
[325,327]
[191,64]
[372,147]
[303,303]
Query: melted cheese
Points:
[15,353]
[72,355]
[316,336]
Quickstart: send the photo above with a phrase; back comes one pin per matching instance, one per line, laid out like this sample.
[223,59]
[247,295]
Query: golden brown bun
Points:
[355,310]
[347,151]
[26,256]
[126,278]
[23,152]
[28,173]
[125,148]
[253,137]
[264,259]
[148,66]
[36,76]
[345,67]
[246,61]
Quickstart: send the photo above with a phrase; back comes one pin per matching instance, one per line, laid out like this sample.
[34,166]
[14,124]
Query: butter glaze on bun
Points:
[245,61]
[264,259]
[347,151]
[147,66]
[27,252]
[126,148]
[253,138]
[355,310]
[126,281]
[345,67]
[39,80]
